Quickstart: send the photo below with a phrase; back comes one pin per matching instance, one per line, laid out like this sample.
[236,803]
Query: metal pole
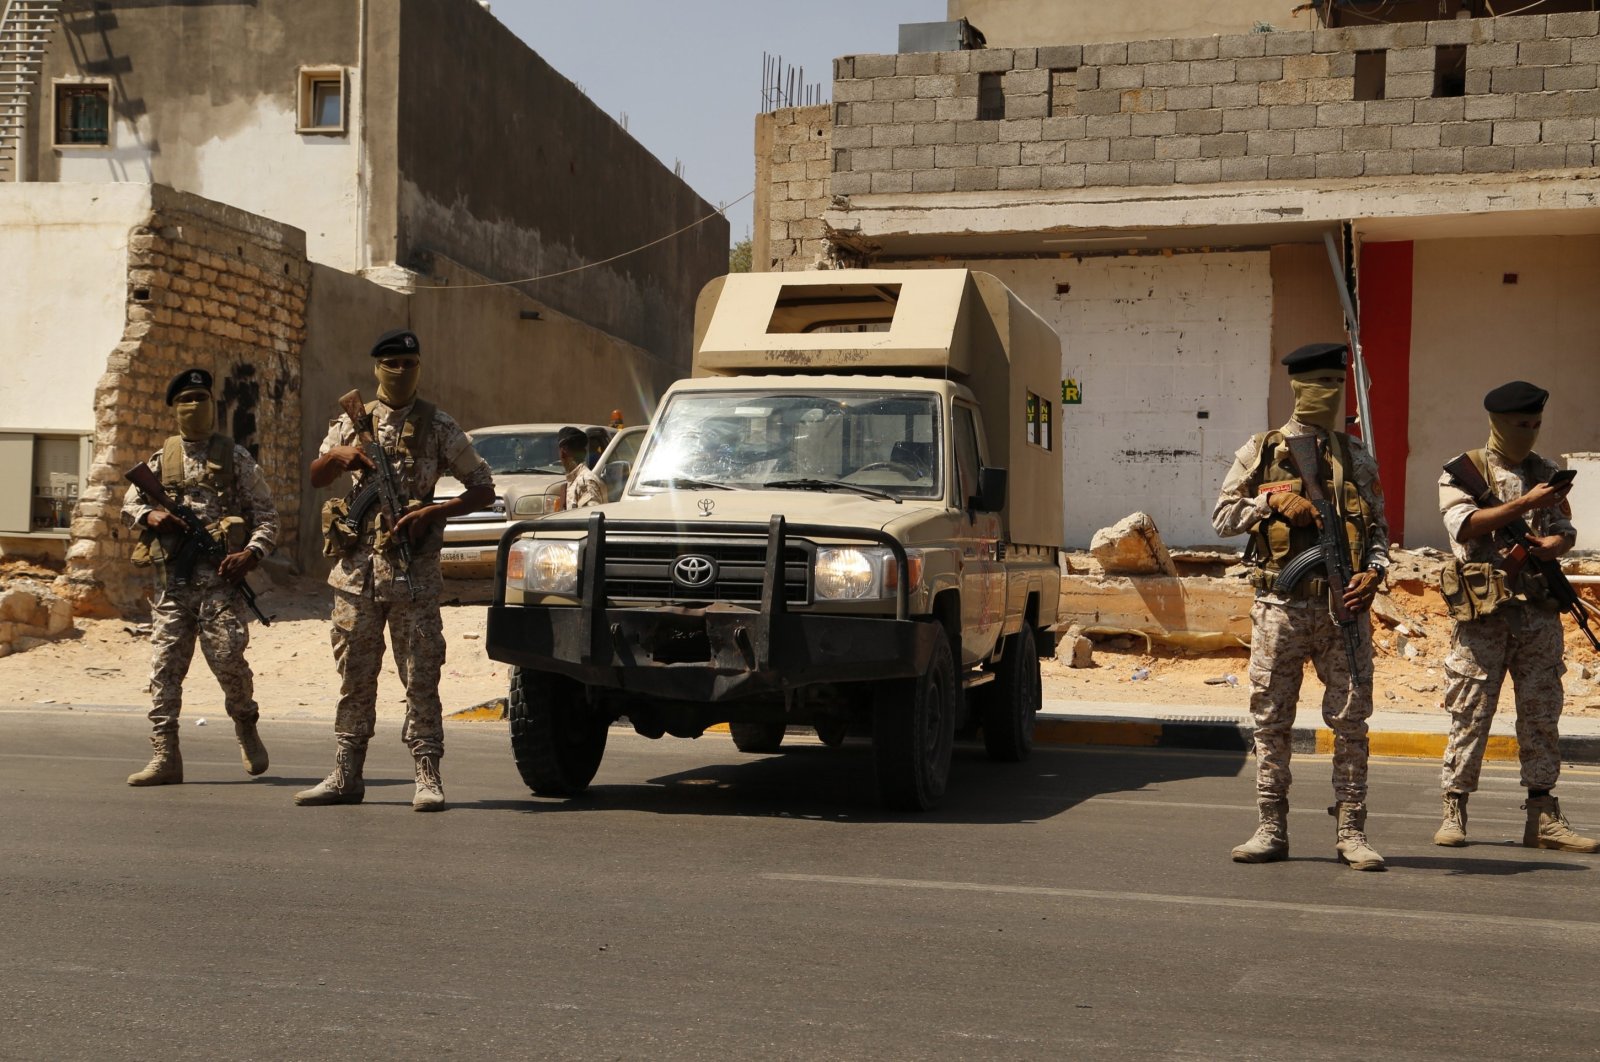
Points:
[1357,359]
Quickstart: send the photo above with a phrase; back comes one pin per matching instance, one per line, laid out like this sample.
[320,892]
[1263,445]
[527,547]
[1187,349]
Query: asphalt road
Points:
[703,903]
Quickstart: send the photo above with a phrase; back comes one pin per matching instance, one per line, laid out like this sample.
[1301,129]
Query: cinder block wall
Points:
[1253,107]
[793,175]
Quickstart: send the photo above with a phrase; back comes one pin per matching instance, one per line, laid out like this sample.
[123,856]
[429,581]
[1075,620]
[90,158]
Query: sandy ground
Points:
[106,662]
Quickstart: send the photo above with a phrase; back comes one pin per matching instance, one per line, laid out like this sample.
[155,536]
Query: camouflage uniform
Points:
[371,592]
[584,488]
[1286,632]
[1517,638]
[207,607]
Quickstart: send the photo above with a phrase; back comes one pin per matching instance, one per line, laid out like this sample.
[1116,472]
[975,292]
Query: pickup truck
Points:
[848,518]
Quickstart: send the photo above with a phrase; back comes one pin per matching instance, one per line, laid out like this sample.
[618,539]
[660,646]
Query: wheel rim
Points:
[935,719]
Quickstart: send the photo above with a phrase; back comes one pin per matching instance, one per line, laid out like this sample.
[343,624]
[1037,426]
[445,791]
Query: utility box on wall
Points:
[956,36]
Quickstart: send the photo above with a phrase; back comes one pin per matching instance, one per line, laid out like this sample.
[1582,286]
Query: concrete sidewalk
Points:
[1193,726]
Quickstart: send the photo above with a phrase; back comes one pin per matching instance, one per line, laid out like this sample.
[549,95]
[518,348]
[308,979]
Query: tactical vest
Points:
[220,477]
[419,422]
[1477,589]
[1275,542]
[416,440]
[219,474]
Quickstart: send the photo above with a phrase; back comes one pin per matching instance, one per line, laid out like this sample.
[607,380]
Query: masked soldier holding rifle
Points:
[1506,593]
[386,538]
[1308,497]
[206,520]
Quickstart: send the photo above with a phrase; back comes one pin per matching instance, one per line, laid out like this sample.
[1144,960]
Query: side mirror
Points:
[991,496]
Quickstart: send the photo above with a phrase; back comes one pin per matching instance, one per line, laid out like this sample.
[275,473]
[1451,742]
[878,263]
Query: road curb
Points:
[1227,736]
[1211,735]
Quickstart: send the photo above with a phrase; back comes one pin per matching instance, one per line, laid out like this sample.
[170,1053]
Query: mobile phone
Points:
[1563,477]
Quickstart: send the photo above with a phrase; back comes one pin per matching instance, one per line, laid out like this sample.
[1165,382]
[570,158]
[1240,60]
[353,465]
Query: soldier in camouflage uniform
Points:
[1506,626]
[1261,497]
[371,587]
[221,482]
[584,488]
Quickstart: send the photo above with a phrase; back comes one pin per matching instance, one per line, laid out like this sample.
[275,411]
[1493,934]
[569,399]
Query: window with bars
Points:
[83,114]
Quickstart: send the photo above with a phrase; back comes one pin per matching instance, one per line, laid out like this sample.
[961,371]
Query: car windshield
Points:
[511,452]
[797,440]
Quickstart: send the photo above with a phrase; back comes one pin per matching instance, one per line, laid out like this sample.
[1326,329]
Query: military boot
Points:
[251,750]
[165,766]
[1546,828]
[1270,843]
[1453,830]
[344,785]
[1353,847]
[430,787]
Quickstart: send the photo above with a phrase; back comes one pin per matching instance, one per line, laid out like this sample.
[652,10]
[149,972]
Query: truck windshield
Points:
[889,443]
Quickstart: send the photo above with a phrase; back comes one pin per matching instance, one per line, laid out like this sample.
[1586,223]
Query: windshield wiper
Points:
[830,484]
[526,471]
[685,483]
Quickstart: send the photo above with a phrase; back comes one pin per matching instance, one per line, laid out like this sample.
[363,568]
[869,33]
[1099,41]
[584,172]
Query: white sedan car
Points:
[530,482]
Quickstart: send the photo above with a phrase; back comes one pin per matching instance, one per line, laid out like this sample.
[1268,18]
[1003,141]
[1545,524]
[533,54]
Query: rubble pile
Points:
[1131,594]
[31,613]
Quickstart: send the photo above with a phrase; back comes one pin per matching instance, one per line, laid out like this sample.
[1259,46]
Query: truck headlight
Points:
[862,573]
[544,567]
[849,574]
[532,505]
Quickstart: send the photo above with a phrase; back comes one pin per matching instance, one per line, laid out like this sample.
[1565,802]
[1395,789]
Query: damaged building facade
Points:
[1163,199]
[261,188]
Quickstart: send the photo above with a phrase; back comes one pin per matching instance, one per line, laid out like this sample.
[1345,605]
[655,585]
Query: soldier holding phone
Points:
[1508,621]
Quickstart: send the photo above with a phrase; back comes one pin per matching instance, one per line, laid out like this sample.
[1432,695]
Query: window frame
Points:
[965,492]
[306,98]
[61,85]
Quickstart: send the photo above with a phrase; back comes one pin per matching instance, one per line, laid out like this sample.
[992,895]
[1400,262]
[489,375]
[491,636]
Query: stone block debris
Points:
[1132,546]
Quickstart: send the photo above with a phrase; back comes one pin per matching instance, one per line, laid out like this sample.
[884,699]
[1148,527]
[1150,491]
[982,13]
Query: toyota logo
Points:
[694,571]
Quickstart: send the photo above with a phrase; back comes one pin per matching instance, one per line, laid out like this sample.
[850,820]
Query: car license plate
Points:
[460,555]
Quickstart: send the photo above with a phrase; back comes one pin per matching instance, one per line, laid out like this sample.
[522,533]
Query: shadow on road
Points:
[1468,866]
[838,784]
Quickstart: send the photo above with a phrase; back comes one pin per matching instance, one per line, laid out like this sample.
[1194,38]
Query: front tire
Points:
[913,734]
[757,737]
[1012,702]
[556,740]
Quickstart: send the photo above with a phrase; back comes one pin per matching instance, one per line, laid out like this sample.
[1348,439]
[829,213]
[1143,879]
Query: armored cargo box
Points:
[952,324]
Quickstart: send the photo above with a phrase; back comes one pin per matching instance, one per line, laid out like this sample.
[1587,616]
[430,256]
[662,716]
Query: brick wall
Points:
[1253,107]
[213,287]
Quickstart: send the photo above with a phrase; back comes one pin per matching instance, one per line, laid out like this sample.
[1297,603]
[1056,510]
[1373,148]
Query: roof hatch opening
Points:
[806,308]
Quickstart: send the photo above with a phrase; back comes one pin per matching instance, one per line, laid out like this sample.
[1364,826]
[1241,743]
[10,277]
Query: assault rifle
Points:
[379,489]
[198,541]
[1516,542]
[1331,553]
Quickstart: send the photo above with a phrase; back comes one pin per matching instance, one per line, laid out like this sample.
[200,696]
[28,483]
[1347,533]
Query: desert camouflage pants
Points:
[212,615]
[1526,643]
[417,635]
[1283,638]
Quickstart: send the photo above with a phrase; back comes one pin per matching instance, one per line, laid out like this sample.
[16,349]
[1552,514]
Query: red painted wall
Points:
[1384,294]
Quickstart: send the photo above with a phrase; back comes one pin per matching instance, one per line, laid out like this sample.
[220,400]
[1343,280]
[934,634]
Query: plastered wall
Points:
[1152,342]
[54,336]
[1472,331]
